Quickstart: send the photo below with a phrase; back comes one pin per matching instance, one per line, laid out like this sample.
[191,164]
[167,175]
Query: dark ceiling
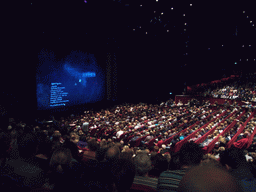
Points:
[156,45]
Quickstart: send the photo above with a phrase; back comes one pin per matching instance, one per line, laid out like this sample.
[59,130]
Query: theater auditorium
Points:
[128,96]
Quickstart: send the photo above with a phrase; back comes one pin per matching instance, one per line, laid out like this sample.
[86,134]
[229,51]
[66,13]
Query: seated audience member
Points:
[82,142]
[97,176]
[163,150]
[44,154]
[15,133]
[143,166]
[112,154]
[248,156]
[119,133]
[160,141]
[242,143]
[181,137]
[222,141]
[132,141]
[74,150]
[207,178]
[211,160]
[207,141]
[190,155]
[65,171]
[235,162]
[91,154]
[100,154]
[218,151]
[160,164]
[31,175]
[56,136]
[123,175]
[5,141]
[74,137]
[80,132]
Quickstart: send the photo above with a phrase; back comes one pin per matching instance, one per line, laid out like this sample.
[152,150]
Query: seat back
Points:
[151,142]
[141,188]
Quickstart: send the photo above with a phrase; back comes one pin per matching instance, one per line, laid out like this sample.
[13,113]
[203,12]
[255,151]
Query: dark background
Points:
[143,67]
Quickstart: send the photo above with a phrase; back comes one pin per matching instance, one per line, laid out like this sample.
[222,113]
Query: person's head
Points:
[73,148]
[232,158]
[27,145]
[113,154]
[156,148]
[160,163]
[190,154]
[56,136]
[63,171]
[61,157]
[127,154]
[75,138]
[142,163]
[80,132]
[123,174]
[208,178]
[93,145]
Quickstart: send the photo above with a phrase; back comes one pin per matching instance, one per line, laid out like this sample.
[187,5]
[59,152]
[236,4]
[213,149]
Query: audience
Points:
[102,157]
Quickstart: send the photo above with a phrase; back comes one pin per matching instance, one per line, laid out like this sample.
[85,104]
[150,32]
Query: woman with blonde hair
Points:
[222,141]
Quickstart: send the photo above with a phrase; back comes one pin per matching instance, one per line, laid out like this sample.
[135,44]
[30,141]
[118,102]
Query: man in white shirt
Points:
[137,126]
[119,133]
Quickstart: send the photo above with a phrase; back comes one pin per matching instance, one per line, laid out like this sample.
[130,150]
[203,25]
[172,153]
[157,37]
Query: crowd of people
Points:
[99,151]
[242,88]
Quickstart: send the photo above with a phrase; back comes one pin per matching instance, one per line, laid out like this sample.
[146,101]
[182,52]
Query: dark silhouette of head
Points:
[27,145]
[207,178]
[190,154]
